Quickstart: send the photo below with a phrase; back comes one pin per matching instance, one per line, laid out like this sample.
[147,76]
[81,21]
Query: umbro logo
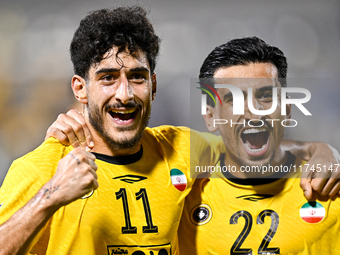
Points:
[255,197]
[130,178]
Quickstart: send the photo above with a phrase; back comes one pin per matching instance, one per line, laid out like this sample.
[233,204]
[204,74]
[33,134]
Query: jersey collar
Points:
[120,160]
[259,181]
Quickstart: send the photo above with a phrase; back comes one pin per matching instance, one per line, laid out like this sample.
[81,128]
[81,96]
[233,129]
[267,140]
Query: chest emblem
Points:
[201,214]
[312,212]
[178,179]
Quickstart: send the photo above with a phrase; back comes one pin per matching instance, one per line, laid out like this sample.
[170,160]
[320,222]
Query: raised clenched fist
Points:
[75,177]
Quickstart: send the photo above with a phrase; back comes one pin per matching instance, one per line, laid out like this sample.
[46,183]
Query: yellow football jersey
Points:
[137,207]
[258,216]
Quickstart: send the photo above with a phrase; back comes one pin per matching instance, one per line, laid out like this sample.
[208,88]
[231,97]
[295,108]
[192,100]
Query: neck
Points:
[279,159]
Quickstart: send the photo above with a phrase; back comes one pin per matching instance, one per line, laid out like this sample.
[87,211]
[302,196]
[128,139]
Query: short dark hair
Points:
[243,51]
[127,28]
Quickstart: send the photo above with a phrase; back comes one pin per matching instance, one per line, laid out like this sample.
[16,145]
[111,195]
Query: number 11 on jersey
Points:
[128,229]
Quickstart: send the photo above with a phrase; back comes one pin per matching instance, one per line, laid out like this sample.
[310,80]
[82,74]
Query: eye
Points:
[266,96]
[228,100]
[107,78]
[137,78]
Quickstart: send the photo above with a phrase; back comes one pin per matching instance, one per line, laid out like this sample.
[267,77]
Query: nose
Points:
[248,115]
[124,92]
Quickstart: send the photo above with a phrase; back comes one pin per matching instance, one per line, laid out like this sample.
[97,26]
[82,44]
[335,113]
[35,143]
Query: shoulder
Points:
[168,131]
[180,133]
[28,174]
[169,135]
[35,168]
[46,155]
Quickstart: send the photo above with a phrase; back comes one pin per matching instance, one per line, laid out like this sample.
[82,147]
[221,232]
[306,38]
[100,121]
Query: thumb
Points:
[306,186]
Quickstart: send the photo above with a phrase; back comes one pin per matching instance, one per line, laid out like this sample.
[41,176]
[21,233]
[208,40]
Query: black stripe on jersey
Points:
[120,160]
[258,181]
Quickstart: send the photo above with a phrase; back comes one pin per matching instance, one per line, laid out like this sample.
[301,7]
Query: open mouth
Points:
[255,140]
[124,116]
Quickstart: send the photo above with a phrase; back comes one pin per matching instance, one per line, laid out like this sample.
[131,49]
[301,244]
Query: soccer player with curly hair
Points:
[50,202]
[127,195]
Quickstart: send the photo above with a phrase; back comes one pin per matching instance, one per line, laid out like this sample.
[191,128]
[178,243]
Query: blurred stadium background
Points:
[35,67]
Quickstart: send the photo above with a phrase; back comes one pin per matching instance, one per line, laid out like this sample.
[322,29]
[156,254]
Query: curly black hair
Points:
[127,28]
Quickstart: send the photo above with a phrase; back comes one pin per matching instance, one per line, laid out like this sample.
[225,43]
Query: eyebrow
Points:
[107,70]
[262,89]
[229,94]
[139,69]
[115,70]
[265,88]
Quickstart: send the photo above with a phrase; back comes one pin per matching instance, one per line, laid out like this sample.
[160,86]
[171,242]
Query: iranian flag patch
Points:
[178,179]
[312,212]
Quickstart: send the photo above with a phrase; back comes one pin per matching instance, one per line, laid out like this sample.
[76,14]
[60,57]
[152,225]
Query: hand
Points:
[71,129]
[322,180]
[75,177]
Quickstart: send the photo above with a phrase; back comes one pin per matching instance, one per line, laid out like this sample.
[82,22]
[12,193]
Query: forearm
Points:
[303,150]
[17,234]
[75,177]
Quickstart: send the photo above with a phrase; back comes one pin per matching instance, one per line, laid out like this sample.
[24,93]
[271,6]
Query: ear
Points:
[209,119]
[154,85]
[79,89]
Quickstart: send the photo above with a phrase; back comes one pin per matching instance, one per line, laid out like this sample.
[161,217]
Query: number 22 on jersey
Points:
[263,247]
